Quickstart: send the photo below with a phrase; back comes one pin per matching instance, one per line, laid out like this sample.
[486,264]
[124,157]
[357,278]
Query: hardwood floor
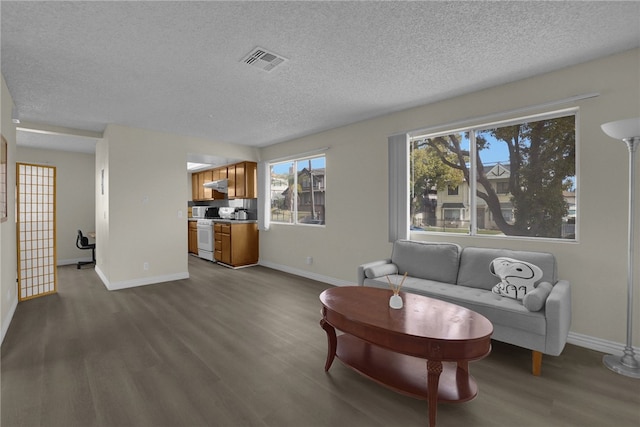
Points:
[244,348]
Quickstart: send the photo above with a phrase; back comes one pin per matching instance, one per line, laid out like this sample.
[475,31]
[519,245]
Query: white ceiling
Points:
[176,66]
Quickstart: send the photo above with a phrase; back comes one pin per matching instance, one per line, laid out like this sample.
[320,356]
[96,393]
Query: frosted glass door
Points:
[36,204]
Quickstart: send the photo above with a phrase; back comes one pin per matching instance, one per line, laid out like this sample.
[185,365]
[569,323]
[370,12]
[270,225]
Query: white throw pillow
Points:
[536,299]
[381,270]
[517,278]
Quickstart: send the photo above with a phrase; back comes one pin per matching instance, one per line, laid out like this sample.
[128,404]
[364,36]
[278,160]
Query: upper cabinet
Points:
[242,179]
[231,181]
[251,180]
[241,182]
[207,177]
[197,190]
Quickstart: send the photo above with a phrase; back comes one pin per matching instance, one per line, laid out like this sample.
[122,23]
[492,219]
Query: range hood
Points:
[220,185]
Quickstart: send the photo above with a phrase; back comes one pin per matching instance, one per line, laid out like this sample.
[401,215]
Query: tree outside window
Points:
[524,173]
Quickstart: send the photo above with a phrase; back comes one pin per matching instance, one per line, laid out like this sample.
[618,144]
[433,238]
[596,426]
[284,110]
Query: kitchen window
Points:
[514,178]
[297,191]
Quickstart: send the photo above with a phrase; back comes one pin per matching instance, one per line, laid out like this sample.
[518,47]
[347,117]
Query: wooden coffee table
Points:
[390,346]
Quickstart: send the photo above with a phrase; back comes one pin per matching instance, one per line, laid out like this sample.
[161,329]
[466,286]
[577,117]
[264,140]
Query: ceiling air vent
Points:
[263,59]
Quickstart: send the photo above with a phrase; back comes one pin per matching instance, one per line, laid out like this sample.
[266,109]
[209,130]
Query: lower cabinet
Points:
[236,244]
[193,237]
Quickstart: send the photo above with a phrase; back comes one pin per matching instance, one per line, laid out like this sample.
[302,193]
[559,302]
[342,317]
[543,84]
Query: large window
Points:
[515,178]
[297,191]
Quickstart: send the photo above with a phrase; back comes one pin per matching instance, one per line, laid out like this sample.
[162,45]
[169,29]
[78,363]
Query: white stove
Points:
[205,238]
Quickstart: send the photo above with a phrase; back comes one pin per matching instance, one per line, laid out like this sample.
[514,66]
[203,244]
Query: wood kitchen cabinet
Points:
[241,182]
[216,175]
[251,180]
[194,187]
[231,181]
[207,176]
[193,237]
[236,244]
[197,190]
[217,242]
[200,186]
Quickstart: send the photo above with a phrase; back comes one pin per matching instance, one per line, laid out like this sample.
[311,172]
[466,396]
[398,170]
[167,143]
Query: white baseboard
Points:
[8,317]
[586,341]
[114,286]
[307,274]
[598,344]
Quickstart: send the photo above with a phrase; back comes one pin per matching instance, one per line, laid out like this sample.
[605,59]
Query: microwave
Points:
[198,211]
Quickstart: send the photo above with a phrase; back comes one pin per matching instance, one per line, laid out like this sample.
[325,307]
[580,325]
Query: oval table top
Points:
[422,321]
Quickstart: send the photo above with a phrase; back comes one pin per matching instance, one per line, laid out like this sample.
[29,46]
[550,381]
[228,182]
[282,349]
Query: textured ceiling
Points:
[176,66]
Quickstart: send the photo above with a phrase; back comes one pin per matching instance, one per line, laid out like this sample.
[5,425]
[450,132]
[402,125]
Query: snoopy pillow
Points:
[517,278]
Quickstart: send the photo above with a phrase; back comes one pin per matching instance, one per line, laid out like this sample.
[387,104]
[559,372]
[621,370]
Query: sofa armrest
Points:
[363,267]
[558,314]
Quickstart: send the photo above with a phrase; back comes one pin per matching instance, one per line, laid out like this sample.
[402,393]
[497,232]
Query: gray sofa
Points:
[462,276]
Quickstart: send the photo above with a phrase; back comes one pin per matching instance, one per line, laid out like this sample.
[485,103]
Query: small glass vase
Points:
[395,301]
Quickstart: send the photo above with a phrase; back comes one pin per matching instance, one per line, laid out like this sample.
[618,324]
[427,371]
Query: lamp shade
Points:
[622,129]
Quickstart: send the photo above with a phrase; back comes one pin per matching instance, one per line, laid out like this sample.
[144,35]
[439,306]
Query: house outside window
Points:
[297,191]
[502,187]
[514,178]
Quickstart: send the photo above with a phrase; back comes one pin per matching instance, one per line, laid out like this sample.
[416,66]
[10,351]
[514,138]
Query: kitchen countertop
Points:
[235,221]
[228,221]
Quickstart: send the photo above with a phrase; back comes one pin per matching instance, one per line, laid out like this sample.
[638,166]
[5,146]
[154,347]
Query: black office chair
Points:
[82,242]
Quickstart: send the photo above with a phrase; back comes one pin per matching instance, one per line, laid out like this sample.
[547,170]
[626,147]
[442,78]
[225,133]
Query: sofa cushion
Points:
[499,310]
[427,260]
[380,270]
[474,265]
[534,300]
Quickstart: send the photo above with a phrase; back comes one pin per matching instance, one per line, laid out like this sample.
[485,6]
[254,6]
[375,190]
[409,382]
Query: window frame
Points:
[294,213]
[474,127]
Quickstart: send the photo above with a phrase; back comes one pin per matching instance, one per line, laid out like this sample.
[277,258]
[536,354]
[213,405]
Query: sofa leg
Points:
[537,363]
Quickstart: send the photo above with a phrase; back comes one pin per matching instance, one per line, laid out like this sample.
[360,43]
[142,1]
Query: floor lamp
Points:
[628,131]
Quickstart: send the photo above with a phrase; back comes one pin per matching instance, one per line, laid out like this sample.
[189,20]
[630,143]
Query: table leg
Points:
[434,369]
[462,377]
[332,342]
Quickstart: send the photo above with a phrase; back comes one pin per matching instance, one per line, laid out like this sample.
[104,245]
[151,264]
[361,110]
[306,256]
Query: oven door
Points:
[205,237]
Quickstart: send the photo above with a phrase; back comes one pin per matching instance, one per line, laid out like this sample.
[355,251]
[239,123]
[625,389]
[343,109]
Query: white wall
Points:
[75,197]
[103,248]
[8,256]
[146,189]
[357,191]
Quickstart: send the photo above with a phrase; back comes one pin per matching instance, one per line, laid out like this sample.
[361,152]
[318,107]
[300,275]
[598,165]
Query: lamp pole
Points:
[627,364]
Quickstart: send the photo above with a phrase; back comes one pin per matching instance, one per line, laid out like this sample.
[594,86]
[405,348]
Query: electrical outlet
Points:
[309,260]
[145,266]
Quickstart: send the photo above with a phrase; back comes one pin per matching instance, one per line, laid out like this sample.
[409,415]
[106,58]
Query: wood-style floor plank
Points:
[244,348]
